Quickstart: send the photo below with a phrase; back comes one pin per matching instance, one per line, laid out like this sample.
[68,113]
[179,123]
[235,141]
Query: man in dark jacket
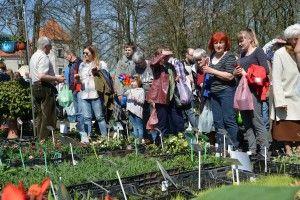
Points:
[69,73]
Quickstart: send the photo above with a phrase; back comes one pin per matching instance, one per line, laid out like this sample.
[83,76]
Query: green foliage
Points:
[10,153]
[15,100]
[103,168]
[172,145]
[293,159]
[18,38]
[265,188]
[272,180]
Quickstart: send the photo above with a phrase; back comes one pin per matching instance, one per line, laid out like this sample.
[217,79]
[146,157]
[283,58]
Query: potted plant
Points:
[20,42]
[15,102]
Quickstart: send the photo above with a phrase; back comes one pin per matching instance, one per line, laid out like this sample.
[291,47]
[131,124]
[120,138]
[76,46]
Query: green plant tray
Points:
[212,177]
[277,168]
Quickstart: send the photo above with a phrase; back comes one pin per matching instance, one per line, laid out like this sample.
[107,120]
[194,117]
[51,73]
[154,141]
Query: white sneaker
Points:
[84,138]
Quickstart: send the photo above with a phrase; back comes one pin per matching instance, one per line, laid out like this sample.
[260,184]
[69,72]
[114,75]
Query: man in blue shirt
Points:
[69,73]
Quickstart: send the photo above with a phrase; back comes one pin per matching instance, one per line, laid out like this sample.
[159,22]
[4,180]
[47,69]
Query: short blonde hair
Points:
[251,34]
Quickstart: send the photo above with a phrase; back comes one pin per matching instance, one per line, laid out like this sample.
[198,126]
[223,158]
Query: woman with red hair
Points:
[222,89]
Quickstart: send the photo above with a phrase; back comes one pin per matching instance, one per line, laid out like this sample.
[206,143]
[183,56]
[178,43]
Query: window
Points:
[60,53]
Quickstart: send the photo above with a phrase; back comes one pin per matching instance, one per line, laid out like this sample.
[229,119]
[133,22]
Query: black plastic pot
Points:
[211,177]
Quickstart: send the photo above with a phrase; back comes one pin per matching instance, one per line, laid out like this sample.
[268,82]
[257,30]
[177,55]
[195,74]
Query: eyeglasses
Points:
[86,53]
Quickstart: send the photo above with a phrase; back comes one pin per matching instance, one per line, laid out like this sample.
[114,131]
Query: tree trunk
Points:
[88,22]
[127,20]
[37,16]
[76,45]
[135,10]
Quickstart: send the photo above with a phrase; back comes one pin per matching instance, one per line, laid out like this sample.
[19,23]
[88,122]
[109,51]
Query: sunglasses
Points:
[86,53]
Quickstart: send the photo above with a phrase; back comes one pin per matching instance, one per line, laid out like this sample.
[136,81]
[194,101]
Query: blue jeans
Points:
[137,124]
[78,112]
[224,116]
[265,114]
[90,106]
[190,115]
[73,118]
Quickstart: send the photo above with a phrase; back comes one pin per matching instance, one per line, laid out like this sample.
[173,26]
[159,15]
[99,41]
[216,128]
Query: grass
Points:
[265,188]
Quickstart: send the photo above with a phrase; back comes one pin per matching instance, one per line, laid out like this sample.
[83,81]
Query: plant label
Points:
[19,121]
[244,159]
[164,186]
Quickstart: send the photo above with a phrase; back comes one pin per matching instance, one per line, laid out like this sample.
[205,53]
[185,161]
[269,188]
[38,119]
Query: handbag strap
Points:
[275,121]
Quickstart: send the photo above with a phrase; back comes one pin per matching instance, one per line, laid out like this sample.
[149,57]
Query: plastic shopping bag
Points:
[243,99]
[70,110]
[185,93]
[206,119]
[65,96]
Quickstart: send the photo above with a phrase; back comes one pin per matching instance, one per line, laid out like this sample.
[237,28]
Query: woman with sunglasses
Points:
[90,100]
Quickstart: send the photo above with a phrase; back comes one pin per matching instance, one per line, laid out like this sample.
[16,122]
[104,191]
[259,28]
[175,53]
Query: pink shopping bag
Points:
[243,99]
[153,120]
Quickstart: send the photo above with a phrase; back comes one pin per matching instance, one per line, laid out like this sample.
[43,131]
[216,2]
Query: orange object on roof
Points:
[54,31]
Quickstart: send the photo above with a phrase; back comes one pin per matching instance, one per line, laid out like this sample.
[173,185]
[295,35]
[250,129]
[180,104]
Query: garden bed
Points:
[33,152]
[101,168]
[145,183]
[274,167]
[150,186]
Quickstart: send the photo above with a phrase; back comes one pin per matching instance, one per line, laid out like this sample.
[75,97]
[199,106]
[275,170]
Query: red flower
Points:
[12,192]
[35,192]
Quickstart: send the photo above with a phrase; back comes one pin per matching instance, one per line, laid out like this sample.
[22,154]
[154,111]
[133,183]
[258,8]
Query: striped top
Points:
[226,64]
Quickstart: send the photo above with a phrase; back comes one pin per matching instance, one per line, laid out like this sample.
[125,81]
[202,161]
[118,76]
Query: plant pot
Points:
[8,46]
[20,46]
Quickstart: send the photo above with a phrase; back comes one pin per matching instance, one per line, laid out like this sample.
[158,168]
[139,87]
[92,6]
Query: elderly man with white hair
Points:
[143,69]
[44,91]
[286,83]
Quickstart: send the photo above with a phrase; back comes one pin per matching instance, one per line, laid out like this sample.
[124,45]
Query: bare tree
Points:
[88,21]
[37,17]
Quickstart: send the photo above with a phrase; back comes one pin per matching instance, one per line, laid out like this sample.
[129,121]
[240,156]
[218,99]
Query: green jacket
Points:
[105,92]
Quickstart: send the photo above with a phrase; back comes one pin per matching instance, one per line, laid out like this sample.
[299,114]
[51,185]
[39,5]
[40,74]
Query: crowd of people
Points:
[163,95]
[8,74]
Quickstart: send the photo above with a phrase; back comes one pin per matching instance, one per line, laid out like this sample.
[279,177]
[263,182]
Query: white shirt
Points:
[135,101]
[285,75]
[88,90]
[103,65]
[40,64]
